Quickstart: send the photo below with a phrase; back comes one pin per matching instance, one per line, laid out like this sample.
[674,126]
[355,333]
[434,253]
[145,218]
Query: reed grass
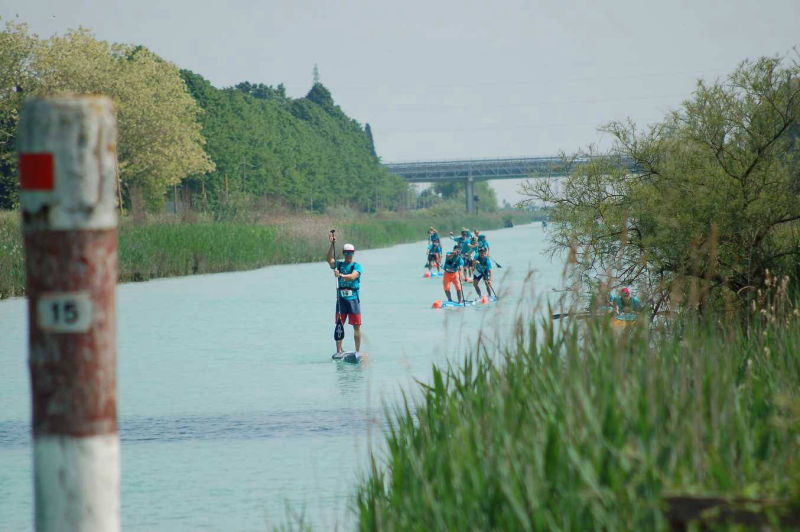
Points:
[581,427]
[168,247]
[12,266]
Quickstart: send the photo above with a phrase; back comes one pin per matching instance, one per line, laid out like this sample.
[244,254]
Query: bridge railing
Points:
[484,169]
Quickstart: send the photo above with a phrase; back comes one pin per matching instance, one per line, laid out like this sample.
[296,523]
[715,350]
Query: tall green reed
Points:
[12,268]
[583,427]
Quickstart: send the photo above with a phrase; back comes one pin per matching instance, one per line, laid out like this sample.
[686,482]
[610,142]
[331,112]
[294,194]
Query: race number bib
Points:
[345,292]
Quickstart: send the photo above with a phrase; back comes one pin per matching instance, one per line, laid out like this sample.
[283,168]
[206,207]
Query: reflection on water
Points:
[351,378]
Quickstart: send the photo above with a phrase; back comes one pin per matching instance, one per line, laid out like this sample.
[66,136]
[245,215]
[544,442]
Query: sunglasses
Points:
[348,252]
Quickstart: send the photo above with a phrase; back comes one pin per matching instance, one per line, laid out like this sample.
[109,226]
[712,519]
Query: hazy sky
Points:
[452,79]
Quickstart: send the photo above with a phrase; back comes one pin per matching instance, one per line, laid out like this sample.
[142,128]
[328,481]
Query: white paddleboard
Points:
[349,356]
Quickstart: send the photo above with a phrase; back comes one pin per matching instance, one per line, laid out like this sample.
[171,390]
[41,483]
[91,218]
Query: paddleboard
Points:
[349,356]
[467,303]
[622,321]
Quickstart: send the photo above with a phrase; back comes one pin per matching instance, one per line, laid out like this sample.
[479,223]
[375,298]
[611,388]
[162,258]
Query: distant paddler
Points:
[626,308]
[452,265]
[348,305]
[433,235]
[464,242]
[483,271]
[625,303]
[434,255]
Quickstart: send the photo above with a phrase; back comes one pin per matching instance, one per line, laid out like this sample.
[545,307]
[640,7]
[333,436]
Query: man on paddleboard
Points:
[434,255]
[483,271]
[625,303]
[348,273]
[452,265]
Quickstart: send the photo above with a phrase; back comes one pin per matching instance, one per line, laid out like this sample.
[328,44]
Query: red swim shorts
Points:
[353,319]
[449,278]
[349,310]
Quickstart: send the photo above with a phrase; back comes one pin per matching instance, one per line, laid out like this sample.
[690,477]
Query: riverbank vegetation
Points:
[577,425]
[581,428]
[168,246]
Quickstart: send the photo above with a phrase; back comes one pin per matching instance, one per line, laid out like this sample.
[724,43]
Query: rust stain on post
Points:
[74,375]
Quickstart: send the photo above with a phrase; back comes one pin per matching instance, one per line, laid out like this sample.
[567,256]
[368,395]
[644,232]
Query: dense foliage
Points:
[159,136]
[713,204]
[485,198]
[590,428]
[255,143]
[298,152]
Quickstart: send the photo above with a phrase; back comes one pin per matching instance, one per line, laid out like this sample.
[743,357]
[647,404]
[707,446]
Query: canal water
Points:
[232,414]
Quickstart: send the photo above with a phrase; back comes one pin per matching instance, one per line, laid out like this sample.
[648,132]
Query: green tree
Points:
[487,199]
[303,153]
[715,200]
[159,136]
[17,49]
[370,140]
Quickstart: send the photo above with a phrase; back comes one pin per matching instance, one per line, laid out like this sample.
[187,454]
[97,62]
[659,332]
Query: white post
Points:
[67,163]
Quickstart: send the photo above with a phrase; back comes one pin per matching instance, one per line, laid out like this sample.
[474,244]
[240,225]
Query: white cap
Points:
[349,247]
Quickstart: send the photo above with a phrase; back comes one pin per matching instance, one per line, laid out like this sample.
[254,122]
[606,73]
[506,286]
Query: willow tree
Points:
[160,139]
[714,198]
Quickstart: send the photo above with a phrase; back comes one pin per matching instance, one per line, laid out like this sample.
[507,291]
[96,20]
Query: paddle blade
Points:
[338,331]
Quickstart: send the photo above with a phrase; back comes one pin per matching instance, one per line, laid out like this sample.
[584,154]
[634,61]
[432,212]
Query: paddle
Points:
[573,314]
[338,331]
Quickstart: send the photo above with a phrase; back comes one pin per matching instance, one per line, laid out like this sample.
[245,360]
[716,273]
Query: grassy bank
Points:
[590,430]
[170,248]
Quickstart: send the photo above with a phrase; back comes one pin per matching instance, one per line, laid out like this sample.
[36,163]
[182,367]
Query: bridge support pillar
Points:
[470,195]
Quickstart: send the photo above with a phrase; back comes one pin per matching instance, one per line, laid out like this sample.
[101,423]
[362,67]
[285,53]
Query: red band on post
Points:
[36,171]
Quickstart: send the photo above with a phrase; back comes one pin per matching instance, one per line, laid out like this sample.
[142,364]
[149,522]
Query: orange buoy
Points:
[485,299]
[427,274]
[437,303]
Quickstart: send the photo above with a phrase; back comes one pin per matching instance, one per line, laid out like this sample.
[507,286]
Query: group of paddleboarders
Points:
[467,261]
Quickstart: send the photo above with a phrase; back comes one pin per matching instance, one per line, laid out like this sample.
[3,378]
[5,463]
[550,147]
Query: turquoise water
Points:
[230,409]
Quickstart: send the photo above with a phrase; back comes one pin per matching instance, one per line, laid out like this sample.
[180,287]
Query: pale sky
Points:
[452,79]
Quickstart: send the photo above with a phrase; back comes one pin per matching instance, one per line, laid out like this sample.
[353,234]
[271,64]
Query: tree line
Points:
[176,130]
[304,153]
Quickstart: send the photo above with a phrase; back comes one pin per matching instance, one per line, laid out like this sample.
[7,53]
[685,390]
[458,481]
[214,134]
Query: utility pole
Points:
[67,167]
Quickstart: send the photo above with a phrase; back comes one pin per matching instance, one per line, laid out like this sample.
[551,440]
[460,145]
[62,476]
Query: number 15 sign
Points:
[64,312]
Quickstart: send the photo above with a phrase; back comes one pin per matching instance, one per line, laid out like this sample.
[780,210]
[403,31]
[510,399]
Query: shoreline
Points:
[177,249]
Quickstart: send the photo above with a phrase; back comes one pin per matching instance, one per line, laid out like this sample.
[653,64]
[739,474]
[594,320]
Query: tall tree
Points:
[715,202]
[370,141]
[159,135]
[305,153]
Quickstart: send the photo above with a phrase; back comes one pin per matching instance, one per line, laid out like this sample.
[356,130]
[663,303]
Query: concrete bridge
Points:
[472,170]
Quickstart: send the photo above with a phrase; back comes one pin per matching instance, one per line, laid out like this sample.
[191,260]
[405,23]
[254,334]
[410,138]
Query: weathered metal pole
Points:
[67,161]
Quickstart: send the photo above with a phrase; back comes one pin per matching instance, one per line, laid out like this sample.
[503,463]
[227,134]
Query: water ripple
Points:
[250,425]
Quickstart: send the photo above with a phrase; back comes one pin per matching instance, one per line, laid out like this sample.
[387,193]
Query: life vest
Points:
[345,284]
